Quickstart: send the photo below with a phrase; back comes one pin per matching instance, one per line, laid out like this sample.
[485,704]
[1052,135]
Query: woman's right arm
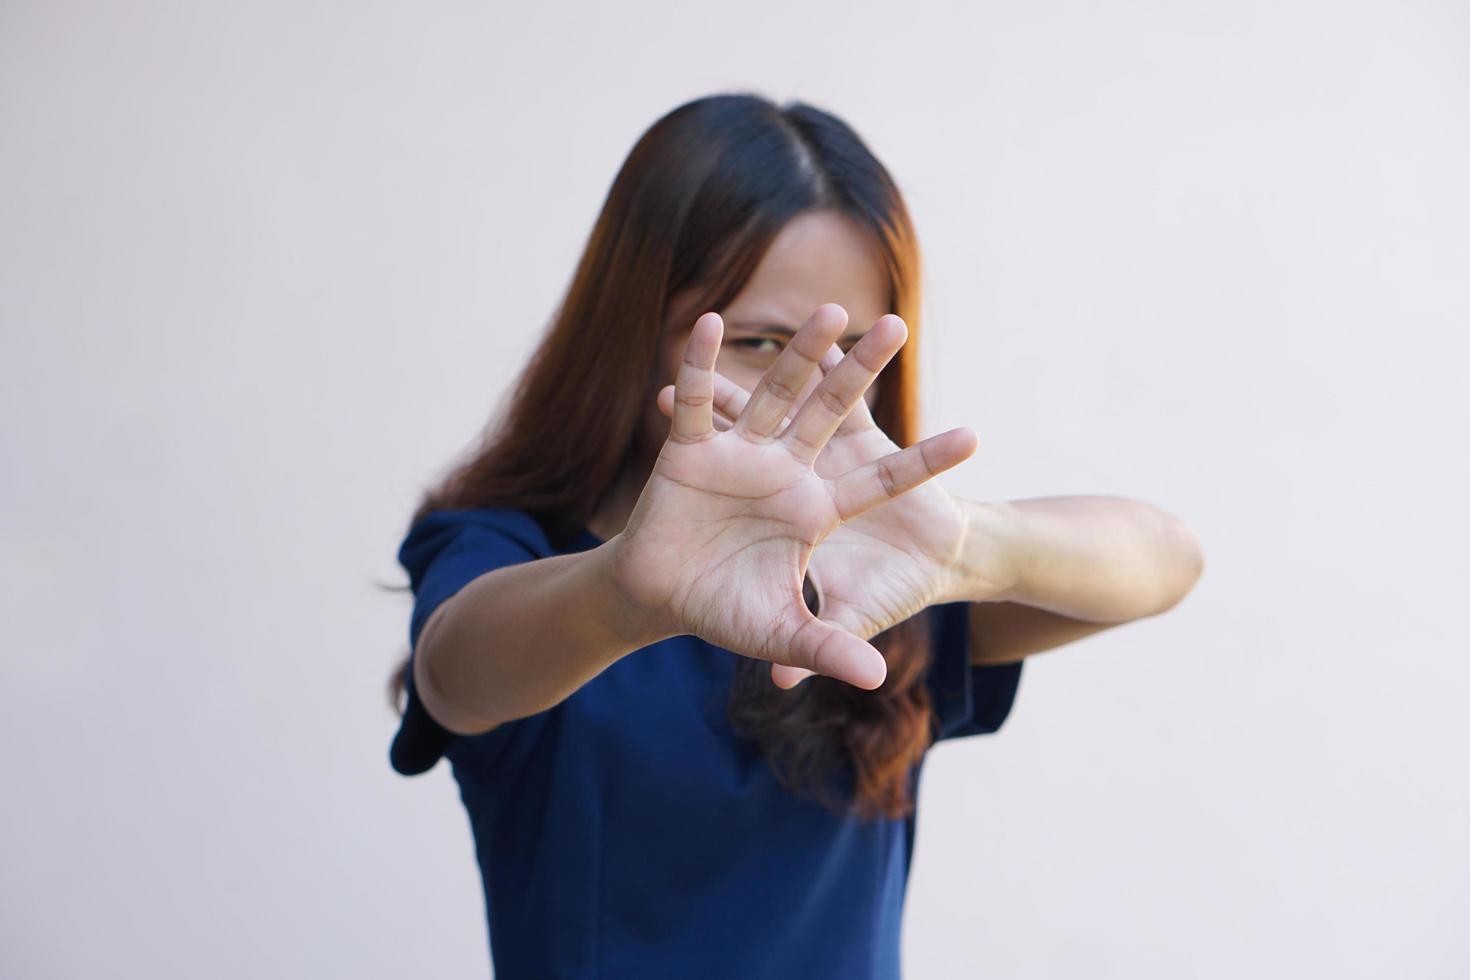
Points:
[523,637]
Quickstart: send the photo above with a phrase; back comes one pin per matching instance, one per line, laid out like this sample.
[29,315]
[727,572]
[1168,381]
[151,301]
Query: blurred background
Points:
[266,268]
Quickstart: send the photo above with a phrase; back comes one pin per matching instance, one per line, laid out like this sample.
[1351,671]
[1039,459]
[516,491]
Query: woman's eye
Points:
[747,342]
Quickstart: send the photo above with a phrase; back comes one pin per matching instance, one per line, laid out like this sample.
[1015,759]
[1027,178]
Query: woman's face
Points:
[818,257]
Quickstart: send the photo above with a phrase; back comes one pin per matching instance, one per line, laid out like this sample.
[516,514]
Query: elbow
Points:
[450,716]
[445,712]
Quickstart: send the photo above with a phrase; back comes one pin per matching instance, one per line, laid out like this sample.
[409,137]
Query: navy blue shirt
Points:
[627,832]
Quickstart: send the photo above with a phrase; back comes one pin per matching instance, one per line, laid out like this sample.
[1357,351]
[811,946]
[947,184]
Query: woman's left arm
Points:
[1047,571]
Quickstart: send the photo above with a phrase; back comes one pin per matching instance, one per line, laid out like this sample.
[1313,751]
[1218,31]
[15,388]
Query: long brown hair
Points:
[694,207]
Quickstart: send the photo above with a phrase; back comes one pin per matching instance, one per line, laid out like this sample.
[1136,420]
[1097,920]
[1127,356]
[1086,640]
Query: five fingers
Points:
[814,646]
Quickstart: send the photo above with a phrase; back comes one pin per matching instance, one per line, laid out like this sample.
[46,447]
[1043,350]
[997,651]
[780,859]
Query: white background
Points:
[266,267]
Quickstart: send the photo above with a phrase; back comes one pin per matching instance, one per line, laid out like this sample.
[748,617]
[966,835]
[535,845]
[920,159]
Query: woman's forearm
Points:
[1104,559]
[522,638]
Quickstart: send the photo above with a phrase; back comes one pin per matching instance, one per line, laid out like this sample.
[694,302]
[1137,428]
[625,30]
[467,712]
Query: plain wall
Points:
[265,268]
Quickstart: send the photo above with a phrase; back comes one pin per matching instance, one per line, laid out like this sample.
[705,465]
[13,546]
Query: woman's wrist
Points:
[987,566]
[632,624]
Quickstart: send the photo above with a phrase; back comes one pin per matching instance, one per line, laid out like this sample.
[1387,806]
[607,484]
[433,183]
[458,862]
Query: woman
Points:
[688,619]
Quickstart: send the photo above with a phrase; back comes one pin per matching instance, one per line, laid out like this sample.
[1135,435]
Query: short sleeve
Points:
[969,699]
[443,553]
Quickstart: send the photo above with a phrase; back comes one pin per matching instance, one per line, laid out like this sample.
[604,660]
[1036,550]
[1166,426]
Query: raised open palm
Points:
[722,535]
[885,565]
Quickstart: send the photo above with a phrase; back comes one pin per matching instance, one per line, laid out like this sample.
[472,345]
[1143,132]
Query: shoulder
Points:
[506,528]
[443,552]
[448,549]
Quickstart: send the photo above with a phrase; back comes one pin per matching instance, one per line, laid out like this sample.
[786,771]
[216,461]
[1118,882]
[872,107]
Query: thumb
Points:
[817,646]
[786,676]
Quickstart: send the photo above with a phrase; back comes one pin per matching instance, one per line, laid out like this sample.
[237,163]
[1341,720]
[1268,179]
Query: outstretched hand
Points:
[886,564]
[726,526]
